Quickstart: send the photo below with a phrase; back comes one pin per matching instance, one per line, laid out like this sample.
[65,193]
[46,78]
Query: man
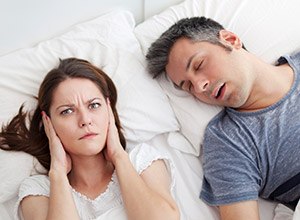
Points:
[252,147]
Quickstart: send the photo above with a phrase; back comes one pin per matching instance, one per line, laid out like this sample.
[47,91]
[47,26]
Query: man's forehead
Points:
[179,61]
[174,76]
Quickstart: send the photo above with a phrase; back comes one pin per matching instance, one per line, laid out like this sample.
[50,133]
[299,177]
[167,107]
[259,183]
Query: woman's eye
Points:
[94,105]
[66,112]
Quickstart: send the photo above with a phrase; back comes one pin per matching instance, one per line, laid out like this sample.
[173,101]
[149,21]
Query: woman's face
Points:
[79,116]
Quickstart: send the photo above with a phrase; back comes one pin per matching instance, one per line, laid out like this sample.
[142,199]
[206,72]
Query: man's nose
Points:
[200,85]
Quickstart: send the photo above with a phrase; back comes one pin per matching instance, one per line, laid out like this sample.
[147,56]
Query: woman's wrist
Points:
[119,157]
[56,174]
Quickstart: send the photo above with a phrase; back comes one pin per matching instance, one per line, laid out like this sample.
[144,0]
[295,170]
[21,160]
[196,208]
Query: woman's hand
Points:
[60,160]
[114,148]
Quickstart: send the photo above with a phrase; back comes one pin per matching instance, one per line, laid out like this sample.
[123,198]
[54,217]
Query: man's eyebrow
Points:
[190,61]
[180,85]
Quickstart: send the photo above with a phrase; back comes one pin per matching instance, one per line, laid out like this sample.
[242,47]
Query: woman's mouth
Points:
[88,136]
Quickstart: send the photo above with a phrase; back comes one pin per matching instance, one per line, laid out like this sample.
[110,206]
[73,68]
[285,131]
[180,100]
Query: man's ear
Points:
[228,38]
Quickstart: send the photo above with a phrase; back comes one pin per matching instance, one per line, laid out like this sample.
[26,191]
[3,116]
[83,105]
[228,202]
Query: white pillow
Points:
[267,28]
[4,213]
[193,116]
[13,168]
[108,42]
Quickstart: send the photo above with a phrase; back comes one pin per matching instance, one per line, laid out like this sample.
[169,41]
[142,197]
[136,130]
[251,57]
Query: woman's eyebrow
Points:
[72,105]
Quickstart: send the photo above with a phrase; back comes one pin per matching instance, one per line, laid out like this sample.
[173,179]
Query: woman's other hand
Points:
[60,160]
[114,148]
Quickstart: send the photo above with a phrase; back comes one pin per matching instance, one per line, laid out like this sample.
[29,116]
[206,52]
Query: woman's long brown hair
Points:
[15,136]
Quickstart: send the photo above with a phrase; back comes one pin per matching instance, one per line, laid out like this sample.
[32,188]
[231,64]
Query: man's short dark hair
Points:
[195,28]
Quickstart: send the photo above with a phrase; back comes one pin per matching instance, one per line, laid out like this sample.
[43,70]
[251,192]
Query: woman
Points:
[90,173]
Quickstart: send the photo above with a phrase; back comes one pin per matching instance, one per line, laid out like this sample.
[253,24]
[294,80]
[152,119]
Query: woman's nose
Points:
[85,119]
[83,124]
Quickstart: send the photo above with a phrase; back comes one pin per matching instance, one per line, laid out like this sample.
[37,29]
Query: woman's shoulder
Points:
[143,155]
[39,178]
[143,148]
[36,184]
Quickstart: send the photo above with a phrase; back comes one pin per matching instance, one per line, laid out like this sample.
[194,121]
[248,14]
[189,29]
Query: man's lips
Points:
[88,136]
[219,91]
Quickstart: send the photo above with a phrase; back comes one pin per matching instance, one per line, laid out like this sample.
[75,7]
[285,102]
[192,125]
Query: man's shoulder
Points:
[223,118]
[230,122]
[220,124]
[293,59]
[295,55]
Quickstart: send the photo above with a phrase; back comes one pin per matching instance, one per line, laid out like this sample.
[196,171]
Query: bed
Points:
[115,36]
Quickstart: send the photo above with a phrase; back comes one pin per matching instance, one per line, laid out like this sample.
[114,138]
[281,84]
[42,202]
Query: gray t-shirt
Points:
[250,154]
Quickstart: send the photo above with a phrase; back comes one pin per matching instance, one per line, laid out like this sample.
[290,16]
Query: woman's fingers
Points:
[54,141]
[59,158]
[110,114]
[112,129]
[50,132]
[114,147]
[45,123]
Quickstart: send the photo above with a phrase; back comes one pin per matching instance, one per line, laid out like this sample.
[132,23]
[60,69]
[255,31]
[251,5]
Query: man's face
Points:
[212,73]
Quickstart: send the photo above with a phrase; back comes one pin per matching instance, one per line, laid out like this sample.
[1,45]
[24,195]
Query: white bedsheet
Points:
[188,185]
[296,215]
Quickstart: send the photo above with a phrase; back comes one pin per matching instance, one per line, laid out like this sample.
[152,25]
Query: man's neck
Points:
[272,83]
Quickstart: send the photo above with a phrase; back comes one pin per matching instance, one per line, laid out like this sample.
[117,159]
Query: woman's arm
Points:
[60,204]
[35,207]
[147,196]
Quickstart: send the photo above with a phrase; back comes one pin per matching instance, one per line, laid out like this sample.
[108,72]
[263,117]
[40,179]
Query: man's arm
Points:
[240,211]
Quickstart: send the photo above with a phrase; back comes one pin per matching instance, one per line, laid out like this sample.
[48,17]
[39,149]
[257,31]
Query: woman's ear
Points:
[228,38]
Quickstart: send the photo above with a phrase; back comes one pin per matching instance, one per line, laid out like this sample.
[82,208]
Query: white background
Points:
[24,23]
